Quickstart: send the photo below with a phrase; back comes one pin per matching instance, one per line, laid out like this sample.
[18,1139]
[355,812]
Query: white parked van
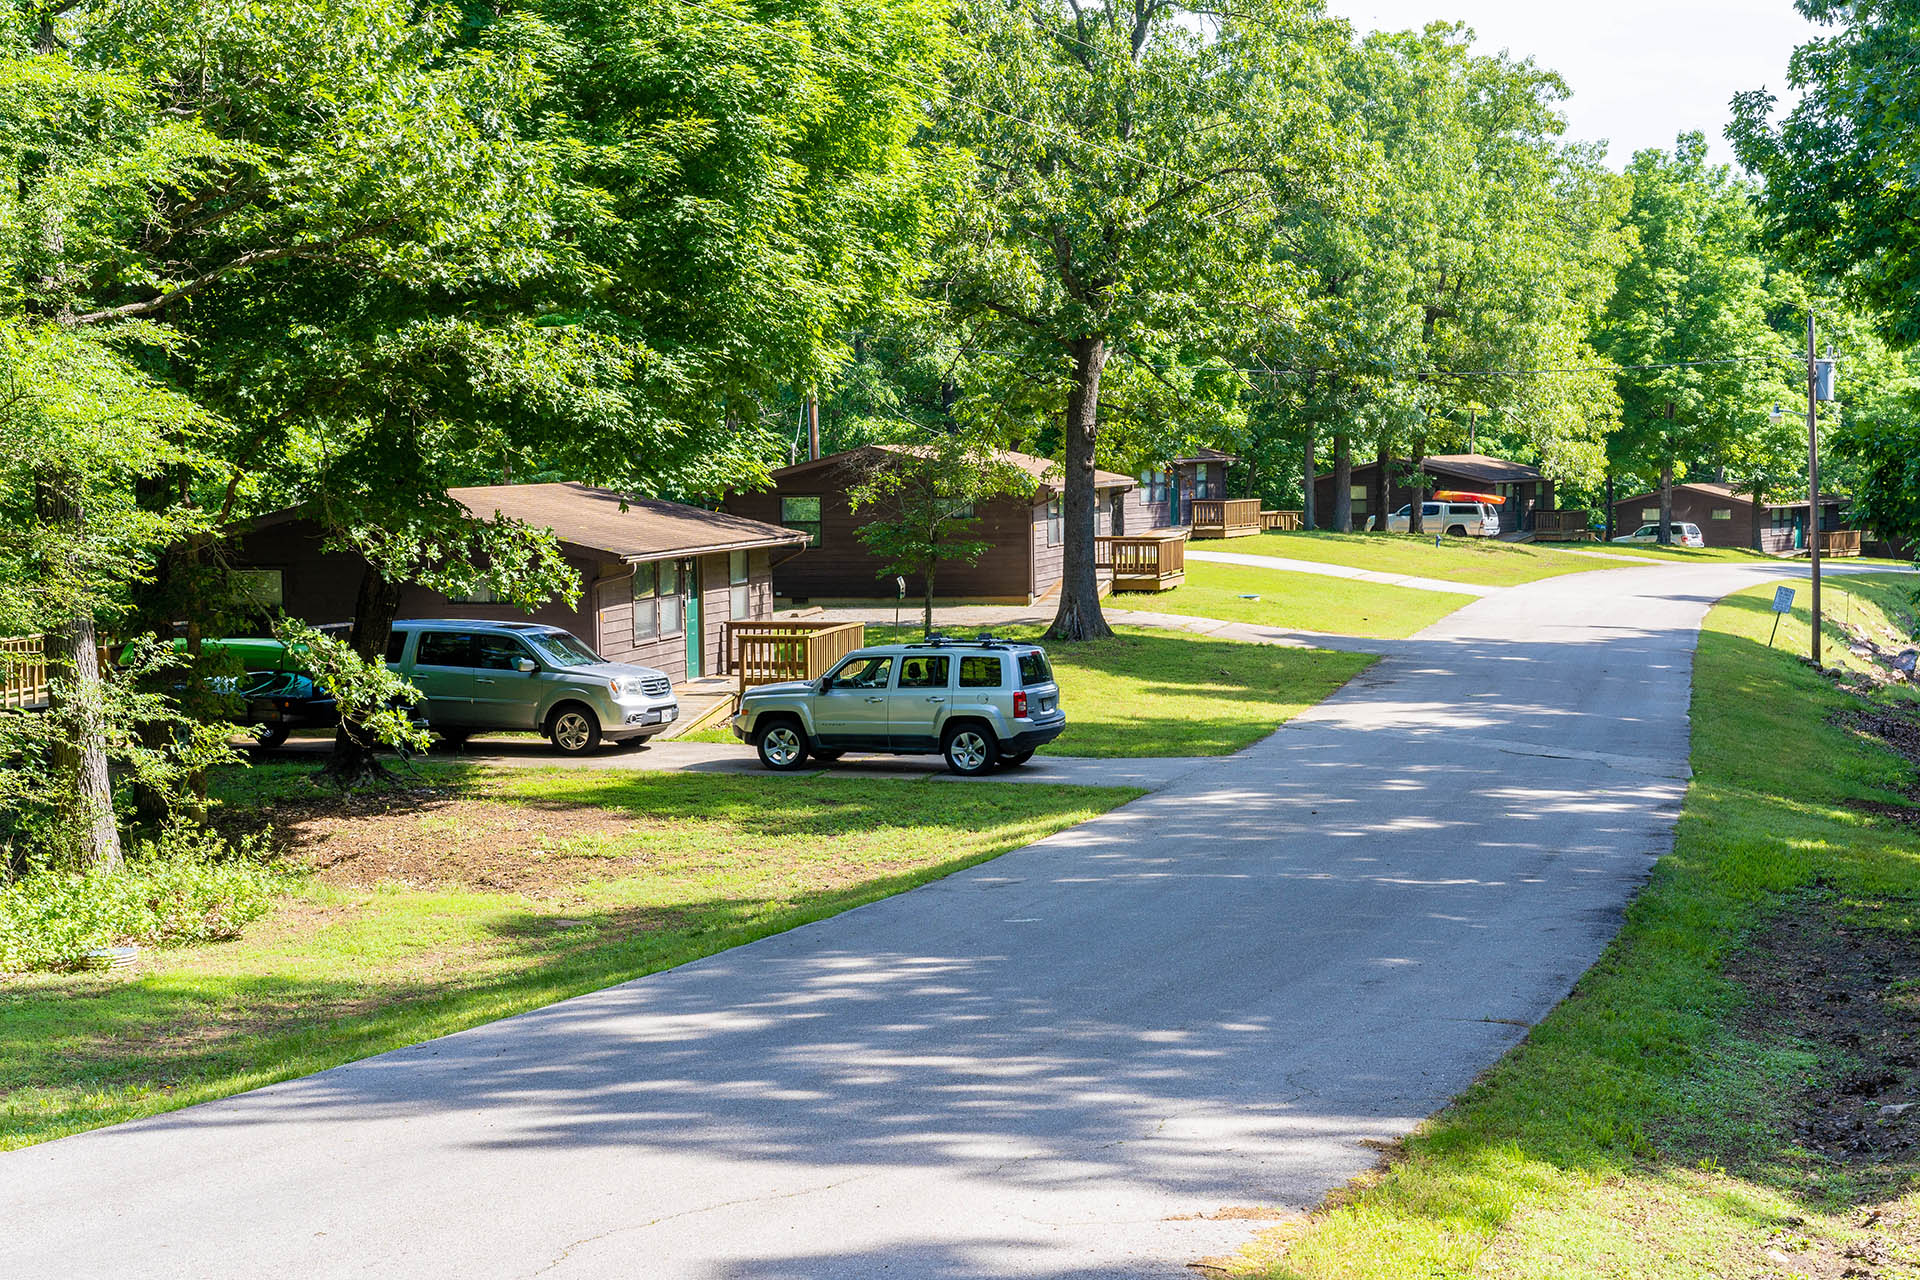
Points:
[1460,519]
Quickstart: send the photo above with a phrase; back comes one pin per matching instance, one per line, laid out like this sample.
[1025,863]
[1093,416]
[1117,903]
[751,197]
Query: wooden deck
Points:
[1152,561]
[1282,521]
[1225,517]
[1563,526]
[767,651]
[23,673]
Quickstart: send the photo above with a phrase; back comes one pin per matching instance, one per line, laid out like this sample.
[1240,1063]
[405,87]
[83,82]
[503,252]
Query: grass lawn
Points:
[1483,561]
[1709,1100]
[470,895]
[1298,601]
[1149,692]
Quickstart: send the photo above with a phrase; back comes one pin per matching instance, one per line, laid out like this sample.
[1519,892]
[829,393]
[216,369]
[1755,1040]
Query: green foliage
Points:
[1838,167]
[190,886]
[1692,294]
[375,704]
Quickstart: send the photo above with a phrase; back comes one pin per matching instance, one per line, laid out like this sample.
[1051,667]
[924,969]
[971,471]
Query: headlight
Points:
[632,686]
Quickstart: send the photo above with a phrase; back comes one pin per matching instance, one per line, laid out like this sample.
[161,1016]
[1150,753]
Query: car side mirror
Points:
[525,666]
[826,683]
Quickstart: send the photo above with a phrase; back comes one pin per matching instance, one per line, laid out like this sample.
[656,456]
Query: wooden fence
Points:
[23,672]
[766,651]
[1283,521]
[1225,517]
[1155,561]
[1563,526]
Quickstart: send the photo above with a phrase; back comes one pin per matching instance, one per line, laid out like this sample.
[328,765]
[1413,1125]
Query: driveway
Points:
[1076,1061]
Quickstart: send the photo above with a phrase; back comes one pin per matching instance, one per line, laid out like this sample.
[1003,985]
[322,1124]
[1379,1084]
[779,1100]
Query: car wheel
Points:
[453,739]
[1456,531]
[782,746]
[970,750]
[270,735]
[1017,758]
[574,730]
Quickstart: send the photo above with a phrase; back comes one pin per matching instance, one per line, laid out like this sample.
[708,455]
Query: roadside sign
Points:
[1782,603]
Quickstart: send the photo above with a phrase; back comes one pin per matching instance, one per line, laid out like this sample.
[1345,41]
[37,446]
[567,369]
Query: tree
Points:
[1124,167]
[1688,320]
[920,498]
[1837,168]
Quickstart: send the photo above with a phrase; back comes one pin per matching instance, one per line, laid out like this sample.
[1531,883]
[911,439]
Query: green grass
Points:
[1299,601]
[1640,1129]
[1482,561]
[663,869]
[1148,692]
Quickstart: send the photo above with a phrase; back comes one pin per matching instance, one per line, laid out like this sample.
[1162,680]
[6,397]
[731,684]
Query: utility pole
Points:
[1813,481]
[813,424]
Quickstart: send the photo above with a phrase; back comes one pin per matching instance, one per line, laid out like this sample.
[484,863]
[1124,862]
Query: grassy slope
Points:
[1484,561]
[1299,601]
[340,973]
[1596,1148]
[1149,692]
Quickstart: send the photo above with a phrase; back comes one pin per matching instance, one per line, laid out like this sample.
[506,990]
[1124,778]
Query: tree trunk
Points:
[73,666]
[1342,483]
[1416,516]
[926,603]
[378,603]
[1079,617]
[1382,490]
[1306,484]
[1666,503]
[1753,531]
[1608,523]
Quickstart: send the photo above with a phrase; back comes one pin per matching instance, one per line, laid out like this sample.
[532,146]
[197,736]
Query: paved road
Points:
[1058,1064]
[1341,571]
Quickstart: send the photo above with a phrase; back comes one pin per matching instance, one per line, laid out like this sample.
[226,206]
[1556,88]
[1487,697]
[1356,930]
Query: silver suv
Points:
[476,676]
[979,703]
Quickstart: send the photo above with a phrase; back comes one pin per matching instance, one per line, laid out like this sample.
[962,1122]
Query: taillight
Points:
[1020,704]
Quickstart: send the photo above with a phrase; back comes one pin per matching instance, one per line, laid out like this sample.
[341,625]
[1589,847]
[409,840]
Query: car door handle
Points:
[876,699]
[483,679]
[941,698]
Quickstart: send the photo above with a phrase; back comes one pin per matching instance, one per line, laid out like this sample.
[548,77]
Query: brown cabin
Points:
[1165,496]
[658,579]
[1026,532]
[1729,518]
[1524,487]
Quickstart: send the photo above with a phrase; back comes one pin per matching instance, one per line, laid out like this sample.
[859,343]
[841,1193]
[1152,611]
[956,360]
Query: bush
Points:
[191,886]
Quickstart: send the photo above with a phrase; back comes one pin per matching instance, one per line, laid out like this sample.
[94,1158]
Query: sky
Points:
[1641,71]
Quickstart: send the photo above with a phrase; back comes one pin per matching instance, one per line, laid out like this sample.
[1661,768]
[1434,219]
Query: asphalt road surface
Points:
[1065,1063]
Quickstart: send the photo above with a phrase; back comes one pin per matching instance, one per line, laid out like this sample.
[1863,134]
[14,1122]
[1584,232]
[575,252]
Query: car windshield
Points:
[562,649]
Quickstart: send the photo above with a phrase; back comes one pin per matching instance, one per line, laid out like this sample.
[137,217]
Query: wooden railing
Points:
[1840,542]
[1225,517]
[1563,526]
[1155,561]
[765,651]
[1282,521]
[23,672]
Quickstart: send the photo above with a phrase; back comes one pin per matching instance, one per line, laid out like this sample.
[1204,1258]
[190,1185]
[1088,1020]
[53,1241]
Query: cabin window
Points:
[1153,486]
[1357,492]
[1203,483]
[1723,513]
[646,617]
[1649,513]
[261,588]
[479,594]
[739,603]
[1056,522]
[802,513]
[673,618]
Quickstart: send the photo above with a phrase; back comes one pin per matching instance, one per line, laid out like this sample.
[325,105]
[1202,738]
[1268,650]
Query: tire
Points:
[573,729]
[1017,758]
[782,745]
[270,736]
[453,739]
[827,756]
[970,750]
[1456,531]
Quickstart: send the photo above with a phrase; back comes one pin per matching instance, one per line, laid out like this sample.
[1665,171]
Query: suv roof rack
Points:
[983,640]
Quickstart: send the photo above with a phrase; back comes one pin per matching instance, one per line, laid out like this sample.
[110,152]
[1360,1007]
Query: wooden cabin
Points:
[1524,487]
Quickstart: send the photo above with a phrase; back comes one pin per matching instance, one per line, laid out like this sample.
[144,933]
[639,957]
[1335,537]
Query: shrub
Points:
[190,886]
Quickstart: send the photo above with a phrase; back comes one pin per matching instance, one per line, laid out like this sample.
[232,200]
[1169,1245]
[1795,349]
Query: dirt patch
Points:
[432,839]
[1850,989]
[1897,727]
